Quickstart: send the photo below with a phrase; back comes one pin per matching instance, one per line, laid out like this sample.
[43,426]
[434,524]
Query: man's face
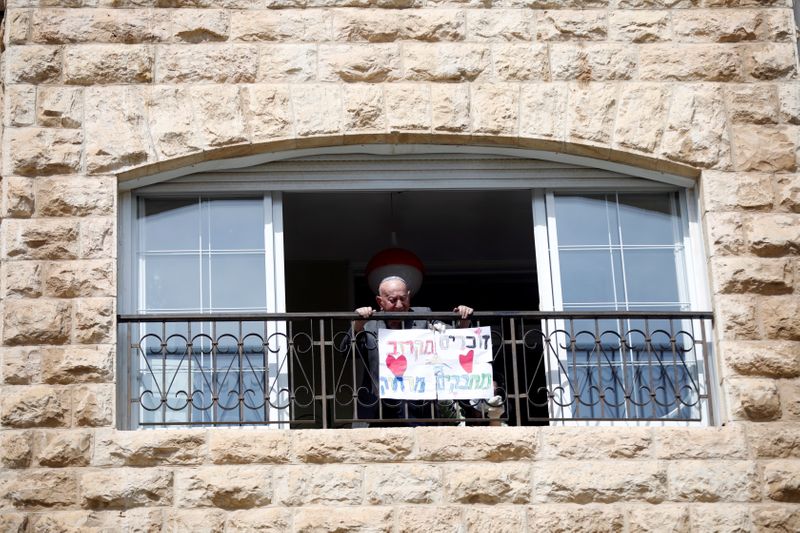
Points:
[394,296]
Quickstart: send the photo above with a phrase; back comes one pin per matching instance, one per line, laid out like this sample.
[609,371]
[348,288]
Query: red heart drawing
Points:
[477,331]
[397,366]
[466,361]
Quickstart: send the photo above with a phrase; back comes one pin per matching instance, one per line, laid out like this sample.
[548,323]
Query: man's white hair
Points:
[392,278]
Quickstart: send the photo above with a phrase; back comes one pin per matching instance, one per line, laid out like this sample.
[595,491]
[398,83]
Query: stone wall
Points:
[100,90]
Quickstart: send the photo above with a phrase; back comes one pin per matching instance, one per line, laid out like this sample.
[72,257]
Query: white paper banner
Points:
[420,364]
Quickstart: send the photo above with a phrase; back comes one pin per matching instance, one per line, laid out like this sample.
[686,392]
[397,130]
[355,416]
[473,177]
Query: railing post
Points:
[323,373]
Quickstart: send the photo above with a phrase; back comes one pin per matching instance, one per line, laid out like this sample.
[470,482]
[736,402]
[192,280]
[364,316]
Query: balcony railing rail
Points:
[295,370]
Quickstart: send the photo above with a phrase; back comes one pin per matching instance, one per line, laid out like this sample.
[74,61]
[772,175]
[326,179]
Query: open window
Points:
[496,231]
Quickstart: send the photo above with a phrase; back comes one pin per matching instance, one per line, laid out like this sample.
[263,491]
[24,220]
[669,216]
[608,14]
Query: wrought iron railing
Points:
[309,370]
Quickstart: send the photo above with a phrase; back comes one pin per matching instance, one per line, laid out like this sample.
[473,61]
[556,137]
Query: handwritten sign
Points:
[420,364]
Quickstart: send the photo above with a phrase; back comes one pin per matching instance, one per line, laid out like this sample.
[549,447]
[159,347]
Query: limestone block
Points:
[764,148]
[596,443]
[787,192]
[402,483]
[94,321]
[494,108]
[754,399]
[488,483]
[725,233]
[171,122]
[65,365]
[774,439]
[776,359]
[719,518]
[36,322]
[62,448]
[565,518]
[40,152]
[747,274]
[22,279]
[104,64]
[289,25]
[789,391]
[450,104]
[265,519]
[754,104]
[408,107]
[216,63]
[40,239]
[58,26]
[696,125]
[446,62]
[520,62]
[319,485]
[770,61]
[568,25]
[543,110]
[308,99]
[360,445]
[711,25]
[93,405]
[782,480]
[363,108]
[13,522]
[33,64]
[206,520]
[780,317]
[287,63]
[376,26]
[775,235]
[69,279]
[222,117]
[116,129]
[606,482]
[639,26]
[672,518]
[736,317]
[641,116]
[476,444]
[689,62]
[41,489]
[15,449]
[591,109]
[228,487]
[587,62]
[141,520]
[500,25]
[711,481]
[18,23]
[149,448]
[775,518]
[59,107]
[21,365]
[732,190]
[268,111]
[123,488]
[497,518]
[18,197]
[247,446]
[200,25]
[97,238]
[434,519]
[701,443]
[359,62]
[66,196]
[789,102]
[20,101]
[308,519]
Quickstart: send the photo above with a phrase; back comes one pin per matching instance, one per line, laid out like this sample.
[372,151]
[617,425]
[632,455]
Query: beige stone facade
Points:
[96,92]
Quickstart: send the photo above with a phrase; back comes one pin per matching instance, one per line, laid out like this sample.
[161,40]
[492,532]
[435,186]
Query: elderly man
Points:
[393,296]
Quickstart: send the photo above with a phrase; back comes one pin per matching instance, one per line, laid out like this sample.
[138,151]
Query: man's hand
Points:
[363,312]
[463,312]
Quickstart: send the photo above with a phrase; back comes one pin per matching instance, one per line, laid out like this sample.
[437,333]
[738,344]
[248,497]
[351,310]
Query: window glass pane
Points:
[237,281]
[236,224]
[586,219]
[651,276]
[172,282]
[591,277]
[171,224]
[646,219]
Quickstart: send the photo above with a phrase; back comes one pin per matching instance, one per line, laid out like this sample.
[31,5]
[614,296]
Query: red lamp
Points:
[395,262]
